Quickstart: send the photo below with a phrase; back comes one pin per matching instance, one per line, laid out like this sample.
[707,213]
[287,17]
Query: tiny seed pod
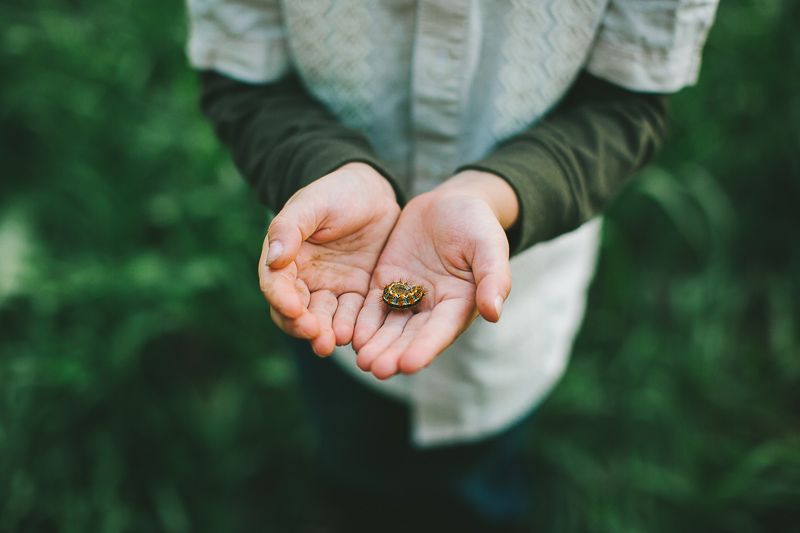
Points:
[400,295]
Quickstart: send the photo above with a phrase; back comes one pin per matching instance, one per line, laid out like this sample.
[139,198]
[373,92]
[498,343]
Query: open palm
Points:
[453,246]
[320,253]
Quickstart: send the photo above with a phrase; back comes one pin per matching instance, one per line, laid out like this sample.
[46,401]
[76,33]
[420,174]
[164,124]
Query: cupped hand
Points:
[320,253]
[452,242]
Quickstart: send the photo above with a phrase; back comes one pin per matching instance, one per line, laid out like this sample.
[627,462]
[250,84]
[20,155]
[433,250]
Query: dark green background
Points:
[143,387]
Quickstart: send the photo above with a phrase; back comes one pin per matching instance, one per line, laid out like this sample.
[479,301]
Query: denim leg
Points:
[372,468]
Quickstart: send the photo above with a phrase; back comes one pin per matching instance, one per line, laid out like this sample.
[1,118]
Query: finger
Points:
[300,322]
[283,290]
[323,306]
[296,327]
[386,364]
[369,319]
[295,223]
[384,337]
[344,320]
[492,273]
[446,322]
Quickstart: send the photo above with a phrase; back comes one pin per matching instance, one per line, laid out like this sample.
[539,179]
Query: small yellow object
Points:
[400,295]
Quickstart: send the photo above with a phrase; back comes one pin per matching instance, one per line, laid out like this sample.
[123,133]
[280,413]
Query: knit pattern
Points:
[330,47]
[547,43]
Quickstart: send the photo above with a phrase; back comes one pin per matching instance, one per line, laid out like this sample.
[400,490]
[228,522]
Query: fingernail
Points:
[275,250]
[498,305]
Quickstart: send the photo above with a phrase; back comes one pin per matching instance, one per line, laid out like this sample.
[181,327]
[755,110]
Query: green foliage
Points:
[680,409]
[142,385]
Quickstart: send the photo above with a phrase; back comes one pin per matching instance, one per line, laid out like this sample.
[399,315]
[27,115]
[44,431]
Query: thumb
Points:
[296,222]
[492,273]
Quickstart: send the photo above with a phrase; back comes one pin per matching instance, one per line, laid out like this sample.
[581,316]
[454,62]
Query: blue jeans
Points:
[373,470]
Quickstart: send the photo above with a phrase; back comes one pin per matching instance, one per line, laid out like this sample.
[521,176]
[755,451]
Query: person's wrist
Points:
[372,178]
[492,189]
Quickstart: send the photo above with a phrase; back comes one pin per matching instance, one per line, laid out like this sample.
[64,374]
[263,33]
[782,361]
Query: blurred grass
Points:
[143,388]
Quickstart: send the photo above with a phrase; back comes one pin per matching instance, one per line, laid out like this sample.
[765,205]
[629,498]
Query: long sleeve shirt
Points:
[564,99]
[564,168]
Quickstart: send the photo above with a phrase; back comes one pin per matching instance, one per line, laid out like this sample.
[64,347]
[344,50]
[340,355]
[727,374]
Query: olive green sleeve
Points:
[280,138]
[570,165]
[564,169]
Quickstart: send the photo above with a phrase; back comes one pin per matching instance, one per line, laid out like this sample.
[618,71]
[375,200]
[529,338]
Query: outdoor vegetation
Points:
[143,387]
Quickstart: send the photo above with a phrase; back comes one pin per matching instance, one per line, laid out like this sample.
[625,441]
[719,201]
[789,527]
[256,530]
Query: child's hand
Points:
[320,253]
[452,242]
